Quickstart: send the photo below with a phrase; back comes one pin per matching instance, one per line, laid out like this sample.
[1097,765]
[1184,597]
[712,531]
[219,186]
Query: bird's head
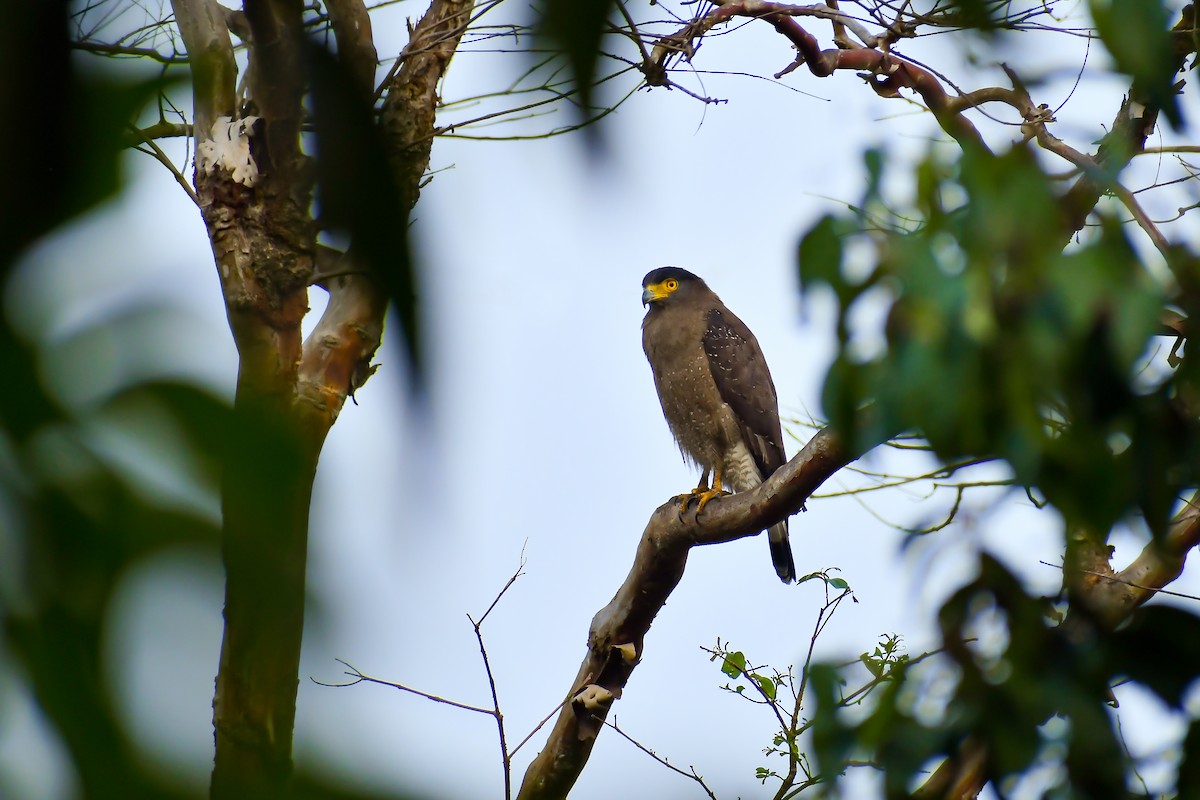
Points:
[665,284]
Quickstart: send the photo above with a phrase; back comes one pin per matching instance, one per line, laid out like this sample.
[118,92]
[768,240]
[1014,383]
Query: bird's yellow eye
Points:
[670,284]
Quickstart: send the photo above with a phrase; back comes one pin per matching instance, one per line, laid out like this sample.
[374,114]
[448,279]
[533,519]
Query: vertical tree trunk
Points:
[289,392]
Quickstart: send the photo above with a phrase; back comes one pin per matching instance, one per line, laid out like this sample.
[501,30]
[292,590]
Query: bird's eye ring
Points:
[671,284]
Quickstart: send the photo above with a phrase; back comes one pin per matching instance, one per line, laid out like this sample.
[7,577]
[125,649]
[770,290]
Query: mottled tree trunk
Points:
[289,392]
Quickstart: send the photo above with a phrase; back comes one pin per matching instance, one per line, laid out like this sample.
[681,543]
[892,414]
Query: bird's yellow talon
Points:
[702,495]
[704,498]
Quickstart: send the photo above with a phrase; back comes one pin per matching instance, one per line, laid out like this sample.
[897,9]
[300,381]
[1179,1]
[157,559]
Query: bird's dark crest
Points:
[663,273]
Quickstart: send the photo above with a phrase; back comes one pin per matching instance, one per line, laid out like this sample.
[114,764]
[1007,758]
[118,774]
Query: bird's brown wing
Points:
[744,383]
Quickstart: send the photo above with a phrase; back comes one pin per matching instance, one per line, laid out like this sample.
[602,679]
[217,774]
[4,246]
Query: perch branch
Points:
[619,629]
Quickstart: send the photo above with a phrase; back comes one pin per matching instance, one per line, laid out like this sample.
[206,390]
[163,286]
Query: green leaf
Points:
[838,583]
[821,254]
[873,665]
[767,685]
[734,664]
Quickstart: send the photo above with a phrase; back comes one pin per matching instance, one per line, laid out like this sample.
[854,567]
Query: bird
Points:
[716,393]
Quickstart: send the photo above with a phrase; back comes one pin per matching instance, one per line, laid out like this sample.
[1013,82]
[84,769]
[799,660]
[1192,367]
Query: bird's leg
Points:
[705,497]
[686,498]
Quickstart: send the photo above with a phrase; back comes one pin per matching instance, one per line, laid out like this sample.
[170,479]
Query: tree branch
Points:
[884,71]
[1109,597]
[618,630]
[277,85]
[107,49]
[356,47]
[159,130]
[1134,123]
[410,105]
[691,774]
[210,53]
[163,159]
[338,352]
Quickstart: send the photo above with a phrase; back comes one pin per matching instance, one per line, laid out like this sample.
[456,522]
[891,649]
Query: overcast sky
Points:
[544,437]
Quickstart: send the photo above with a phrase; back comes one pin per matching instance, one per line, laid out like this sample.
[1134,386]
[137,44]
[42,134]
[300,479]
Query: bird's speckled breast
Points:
[685,385]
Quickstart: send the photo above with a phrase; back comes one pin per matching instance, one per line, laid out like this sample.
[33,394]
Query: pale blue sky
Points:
[544,435]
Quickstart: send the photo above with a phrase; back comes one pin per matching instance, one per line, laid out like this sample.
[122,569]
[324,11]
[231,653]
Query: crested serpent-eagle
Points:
[716,393]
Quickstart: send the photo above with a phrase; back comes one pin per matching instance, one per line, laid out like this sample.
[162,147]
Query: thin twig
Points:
[520,571]
[494,712]
[823,614]
[106,49]
[162,158]
[538,727]
[360,677]
[505,756]
[692,774]
[1117,579]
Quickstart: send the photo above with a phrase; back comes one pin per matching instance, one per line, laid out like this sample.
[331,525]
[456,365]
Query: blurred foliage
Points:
[1000,335]
[1001,343]
[357,195]
[1033,693]
[73,522]
[1137,35]
[575,28]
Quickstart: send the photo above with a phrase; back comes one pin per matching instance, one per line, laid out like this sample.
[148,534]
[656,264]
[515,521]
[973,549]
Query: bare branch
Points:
[505,756]
[1112,596]
[360,677]
[159,130]
[163,159]
[106,49]
[885,72]
[1134,123]
[1093,172]
[537,728]
[1108,576]
[691,774]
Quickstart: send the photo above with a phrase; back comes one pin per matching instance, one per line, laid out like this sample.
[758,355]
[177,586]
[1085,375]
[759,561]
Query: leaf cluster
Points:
[1039,698]
[998,342]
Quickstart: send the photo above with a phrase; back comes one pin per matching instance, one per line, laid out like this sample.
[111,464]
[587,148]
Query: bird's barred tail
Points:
[781,552]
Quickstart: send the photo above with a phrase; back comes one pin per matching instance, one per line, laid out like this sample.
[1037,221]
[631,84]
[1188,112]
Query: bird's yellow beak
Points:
[653,292]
